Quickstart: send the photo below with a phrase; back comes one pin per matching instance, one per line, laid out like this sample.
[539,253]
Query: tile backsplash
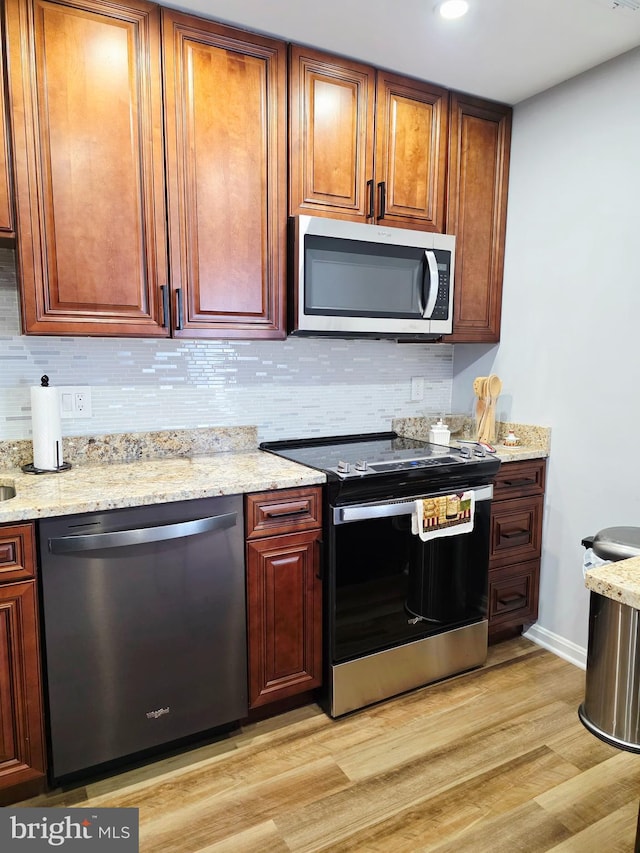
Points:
[297,387]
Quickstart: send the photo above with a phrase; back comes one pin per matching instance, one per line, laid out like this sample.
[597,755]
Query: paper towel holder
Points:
[30,467]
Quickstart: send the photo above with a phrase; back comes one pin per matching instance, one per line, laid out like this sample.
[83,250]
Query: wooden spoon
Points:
[494,386]
[488,424]
[478,385]
[478,388]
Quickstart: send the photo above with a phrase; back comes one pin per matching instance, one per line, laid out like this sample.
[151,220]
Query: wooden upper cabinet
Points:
[479,142]
[6,206]
[85,86]
[365,145]
[411,153]
[331,135]
[225,100]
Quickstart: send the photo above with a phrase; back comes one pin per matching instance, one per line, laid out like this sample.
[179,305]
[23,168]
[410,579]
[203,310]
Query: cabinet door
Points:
[513,595]
[225,96]
[479,140]
[411,152]
[516,530]
[17,552]
[331,131]
[86,102]
[22,760]
[284,612]
[6,205]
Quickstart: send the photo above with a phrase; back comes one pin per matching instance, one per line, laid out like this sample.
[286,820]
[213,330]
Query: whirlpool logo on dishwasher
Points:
[160,712]
[29,829]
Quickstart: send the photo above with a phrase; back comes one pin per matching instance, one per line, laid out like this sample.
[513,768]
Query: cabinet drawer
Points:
[517,479]
[283,511]
[17,553]
[513,594]
[516,530]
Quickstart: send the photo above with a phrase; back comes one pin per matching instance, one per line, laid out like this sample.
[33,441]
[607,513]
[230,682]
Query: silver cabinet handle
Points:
[140,535]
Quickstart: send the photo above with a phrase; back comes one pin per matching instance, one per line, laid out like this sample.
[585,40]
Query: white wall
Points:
[569,354]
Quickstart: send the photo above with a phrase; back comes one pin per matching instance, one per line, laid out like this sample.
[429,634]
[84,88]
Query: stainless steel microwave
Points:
[351,279]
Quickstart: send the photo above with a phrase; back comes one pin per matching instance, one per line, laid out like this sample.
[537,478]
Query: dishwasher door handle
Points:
[141,535]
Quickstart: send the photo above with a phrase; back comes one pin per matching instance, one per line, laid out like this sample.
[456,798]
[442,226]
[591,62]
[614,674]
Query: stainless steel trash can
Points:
[611,708]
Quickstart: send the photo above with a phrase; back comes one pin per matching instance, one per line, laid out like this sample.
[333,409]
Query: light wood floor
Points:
[494,760]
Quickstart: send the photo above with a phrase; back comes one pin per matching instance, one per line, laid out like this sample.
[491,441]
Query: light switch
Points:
[75,401]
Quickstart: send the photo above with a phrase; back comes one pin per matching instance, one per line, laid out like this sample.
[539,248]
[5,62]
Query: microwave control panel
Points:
[441,308]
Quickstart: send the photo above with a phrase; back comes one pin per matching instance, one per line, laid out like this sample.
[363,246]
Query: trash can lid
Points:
[617,543]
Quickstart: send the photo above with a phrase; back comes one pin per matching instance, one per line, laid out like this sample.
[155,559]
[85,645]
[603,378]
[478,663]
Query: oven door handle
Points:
[363,512]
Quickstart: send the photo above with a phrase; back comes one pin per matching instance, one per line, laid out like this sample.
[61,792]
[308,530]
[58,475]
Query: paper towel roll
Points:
[46,428]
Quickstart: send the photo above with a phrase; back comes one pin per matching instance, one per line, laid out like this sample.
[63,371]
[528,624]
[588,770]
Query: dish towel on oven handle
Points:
[445,515]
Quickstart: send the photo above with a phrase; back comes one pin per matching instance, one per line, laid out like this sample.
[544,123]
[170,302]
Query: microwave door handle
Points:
[429,297]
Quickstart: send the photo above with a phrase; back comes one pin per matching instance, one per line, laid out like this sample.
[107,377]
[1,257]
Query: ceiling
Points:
[507,50]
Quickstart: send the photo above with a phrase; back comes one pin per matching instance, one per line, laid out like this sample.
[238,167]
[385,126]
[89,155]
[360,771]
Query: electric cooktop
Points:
[387,458]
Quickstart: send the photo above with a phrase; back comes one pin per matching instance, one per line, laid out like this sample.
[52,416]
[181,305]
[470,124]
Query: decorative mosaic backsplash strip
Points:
[297,387]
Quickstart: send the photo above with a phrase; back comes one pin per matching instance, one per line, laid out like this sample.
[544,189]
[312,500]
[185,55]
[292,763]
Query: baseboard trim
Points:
[558,645]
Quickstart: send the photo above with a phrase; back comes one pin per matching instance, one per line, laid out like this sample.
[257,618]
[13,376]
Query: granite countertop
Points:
[120,478]
[136,469]
[534,441]
[619,580]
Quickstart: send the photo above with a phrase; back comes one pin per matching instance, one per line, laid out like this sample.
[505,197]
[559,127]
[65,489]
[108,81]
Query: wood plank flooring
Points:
[494,760]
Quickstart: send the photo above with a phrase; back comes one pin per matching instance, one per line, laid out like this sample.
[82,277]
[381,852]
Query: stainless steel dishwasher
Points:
[144,628]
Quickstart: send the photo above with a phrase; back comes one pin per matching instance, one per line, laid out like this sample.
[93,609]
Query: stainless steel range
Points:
[407,528]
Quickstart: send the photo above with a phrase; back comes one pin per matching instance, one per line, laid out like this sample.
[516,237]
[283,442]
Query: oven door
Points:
[387,587]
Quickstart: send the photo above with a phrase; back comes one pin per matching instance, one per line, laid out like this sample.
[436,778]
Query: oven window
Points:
[392,588]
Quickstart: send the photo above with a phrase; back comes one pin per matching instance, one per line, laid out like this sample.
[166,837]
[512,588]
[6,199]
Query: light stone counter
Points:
[136,469]
[90,488]
[535,441]
[619,580]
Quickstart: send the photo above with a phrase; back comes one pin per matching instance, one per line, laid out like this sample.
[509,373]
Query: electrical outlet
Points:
[75,401]
[417,388]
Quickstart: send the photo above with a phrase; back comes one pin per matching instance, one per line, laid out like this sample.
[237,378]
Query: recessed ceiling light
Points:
[453,8]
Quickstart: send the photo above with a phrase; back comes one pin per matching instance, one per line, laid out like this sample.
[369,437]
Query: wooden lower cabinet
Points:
[513,595]
[22,752]
[284,595]
[515,546]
